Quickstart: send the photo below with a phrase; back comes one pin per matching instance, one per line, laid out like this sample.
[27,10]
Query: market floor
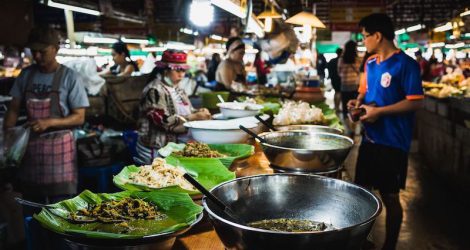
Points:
[434,217]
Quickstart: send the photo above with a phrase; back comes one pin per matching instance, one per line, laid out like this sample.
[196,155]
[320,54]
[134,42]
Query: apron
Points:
[48,167]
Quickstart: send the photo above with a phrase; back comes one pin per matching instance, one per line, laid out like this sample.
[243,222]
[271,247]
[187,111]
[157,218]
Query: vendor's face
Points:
[237,55]
[118,58]
[46,56]
[176,75]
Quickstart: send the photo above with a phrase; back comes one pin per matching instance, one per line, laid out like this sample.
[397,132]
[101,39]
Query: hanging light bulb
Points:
[201,13]
[268,24]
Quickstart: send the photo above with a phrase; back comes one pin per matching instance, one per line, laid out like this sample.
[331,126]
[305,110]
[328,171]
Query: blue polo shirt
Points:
[386,83]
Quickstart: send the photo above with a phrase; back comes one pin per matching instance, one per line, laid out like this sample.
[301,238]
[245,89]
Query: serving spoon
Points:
[252,134]
[265,123]
[226,209]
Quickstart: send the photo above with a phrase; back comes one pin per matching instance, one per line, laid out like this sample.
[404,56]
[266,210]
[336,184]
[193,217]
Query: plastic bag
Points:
[16,142]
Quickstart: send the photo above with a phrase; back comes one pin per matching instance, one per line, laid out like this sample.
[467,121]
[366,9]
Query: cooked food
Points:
[293,113]
[118,211]
[289,225]
[160,175]
[201,150]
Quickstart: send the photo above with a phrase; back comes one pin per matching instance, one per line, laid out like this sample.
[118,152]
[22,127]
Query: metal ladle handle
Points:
[252,134]
[265,123]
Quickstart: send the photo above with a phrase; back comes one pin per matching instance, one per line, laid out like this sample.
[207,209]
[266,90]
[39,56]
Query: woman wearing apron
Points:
[164,107]
[55,101]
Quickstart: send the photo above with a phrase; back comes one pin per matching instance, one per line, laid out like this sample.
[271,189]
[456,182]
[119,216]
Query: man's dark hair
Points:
[378,22]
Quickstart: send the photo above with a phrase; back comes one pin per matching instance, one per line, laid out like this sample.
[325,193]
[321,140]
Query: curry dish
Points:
[289,225]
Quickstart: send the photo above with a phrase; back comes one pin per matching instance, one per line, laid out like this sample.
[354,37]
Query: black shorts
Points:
[381,167]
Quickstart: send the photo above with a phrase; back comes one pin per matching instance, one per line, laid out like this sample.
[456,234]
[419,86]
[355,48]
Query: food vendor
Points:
[55,100]
[123,65]
[164,107]
[231,74]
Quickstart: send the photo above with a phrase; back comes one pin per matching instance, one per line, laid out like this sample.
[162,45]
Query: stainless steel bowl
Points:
[305,152]
[350,209]
[311,128]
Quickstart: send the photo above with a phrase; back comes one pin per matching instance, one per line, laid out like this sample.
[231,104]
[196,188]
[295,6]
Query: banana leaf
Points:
[179,209]
[233,151]
[209,172]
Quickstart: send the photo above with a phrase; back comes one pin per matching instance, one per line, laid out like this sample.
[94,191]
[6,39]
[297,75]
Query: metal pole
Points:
[70,27]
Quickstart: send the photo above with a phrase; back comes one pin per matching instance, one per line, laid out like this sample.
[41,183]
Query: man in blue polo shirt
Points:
[390,92]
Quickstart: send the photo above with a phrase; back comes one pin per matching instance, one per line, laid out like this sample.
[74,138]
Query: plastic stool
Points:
[102,175]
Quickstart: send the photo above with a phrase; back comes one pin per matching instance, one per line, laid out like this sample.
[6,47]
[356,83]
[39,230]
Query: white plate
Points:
[220,131]
[220,124]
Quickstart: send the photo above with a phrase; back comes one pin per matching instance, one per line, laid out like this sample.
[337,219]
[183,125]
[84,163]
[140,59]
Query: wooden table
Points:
[203,236]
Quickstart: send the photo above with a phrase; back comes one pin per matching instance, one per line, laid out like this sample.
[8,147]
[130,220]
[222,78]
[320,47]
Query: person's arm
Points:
[226,75]
[12,113]
[127,71]
[75,118]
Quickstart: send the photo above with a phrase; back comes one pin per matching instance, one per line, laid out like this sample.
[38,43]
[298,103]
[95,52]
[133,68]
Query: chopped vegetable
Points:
[201,150]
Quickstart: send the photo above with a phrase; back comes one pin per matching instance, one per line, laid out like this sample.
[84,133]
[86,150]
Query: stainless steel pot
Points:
[305,152]
[350,209]
[311,128]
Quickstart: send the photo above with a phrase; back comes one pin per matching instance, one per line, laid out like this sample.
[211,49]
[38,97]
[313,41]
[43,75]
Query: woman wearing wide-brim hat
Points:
[164,106]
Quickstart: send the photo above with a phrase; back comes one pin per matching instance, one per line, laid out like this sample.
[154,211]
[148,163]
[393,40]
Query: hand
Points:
[372,113]
[40,125]
[355,103]
[202,114]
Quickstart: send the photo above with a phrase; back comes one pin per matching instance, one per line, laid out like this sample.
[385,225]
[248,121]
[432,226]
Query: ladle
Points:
[265,123]
[226,209]
[252,134]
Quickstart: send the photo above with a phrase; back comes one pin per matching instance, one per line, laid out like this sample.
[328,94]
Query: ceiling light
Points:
[51,3]
[89,39]
[137,41]
[216,37]
[445,27]
[415,27]
[201,13]
[436,45]
[465,13]
[306,18]
[400,31]
[455,46]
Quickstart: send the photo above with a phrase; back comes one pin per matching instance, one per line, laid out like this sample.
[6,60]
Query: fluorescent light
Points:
[415,27]
[137,41]
[455,46]
[400,31]
[216,37]
[201,13]
[72,8]
[465,13]
[231,7]
[89,39]
[435,45]
[452,37]
[445,27]
[179,46]
[413,50]
[467,35]
[153,49]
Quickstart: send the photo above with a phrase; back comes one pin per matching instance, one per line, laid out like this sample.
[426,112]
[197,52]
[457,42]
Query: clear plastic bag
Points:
[15,144]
